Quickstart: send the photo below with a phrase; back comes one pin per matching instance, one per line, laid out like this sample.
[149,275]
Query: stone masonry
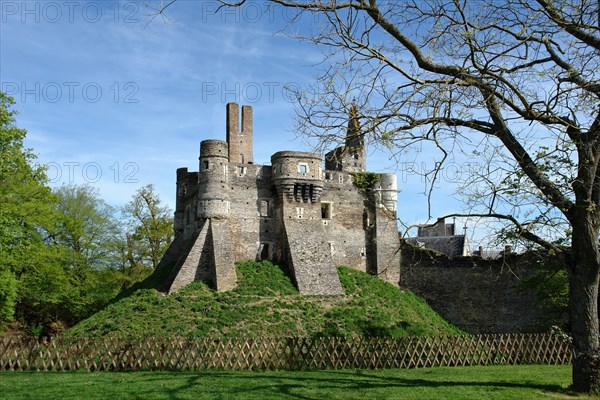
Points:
[302,216]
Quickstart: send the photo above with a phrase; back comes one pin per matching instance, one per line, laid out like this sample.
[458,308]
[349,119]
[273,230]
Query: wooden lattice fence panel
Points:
[179,354]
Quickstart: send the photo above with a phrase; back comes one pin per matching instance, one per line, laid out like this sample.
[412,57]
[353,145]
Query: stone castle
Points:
[309,215]
[303,215]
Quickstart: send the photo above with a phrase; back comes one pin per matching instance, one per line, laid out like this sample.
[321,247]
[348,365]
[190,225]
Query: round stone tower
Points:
[388,191]
[297,175]
[213,200]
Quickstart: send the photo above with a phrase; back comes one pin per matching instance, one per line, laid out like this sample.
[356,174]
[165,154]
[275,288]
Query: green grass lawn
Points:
[496,382]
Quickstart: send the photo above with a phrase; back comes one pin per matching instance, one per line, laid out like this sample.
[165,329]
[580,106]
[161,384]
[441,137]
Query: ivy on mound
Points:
[266,304]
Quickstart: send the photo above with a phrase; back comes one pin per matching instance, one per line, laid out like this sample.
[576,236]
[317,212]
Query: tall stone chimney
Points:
[239,140]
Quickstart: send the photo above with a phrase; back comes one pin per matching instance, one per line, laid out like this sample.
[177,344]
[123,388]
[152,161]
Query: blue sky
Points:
[116,99]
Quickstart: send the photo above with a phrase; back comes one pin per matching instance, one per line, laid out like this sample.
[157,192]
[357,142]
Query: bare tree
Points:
[518,78]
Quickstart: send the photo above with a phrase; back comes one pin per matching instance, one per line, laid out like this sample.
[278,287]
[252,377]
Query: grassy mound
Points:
[266,304]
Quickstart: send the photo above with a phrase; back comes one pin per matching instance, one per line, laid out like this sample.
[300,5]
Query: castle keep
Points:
[304,217]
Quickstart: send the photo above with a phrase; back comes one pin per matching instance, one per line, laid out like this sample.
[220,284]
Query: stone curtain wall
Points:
[476,295]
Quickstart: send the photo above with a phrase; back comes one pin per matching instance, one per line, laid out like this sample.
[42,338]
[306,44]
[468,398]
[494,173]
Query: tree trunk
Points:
[583,285]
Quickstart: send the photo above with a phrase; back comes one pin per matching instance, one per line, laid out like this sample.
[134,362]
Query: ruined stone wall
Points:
[476,295]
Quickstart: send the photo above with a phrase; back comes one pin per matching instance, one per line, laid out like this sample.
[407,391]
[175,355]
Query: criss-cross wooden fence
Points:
[178,354]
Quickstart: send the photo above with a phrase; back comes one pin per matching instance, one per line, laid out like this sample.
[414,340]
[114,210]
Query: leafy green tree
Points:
[47,291]
[8,296]
[87,228]
[57,257]
[150,230]
[25,212]
[87,225]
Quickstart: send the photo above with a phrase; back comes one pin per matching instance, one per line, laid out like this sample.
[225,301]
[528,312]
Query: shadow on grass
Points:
[460,383]
[320,385]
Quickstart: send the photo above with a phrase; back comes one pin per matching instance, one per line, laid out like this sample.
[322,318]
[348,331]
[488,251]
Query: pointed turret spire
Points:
[354,137]
[352,156]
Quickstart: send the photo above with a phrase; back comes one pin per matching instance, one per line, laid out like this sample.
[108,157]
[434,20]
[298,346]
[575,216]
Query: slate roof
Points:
[452,246]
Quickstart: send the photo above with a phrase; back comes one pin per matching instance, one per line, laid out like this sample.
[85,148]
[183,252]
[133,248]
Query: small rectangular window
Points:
[303,168]
[264,251]
[264,208]
[205,165]
[328,176]
[326,210]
